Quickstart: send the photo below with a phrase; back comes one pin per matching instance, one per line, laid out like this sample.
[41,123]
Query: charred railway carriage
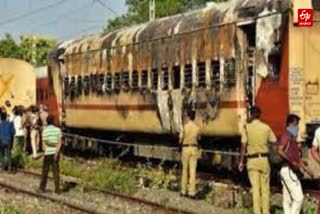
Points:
[223,59]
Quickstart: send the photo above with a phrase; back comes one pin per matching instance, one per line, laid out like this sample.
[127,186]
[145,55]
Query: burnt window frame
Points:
[73,88]
[215,74]
[100,83]
[117,82]
[154,81]
[230,74]
[109,82]
[66,86]
[144,77]
[201,80]
[125,81]
[79,84]
[135,80]
[86,84]
[188,85]
[176,69]
[165,78]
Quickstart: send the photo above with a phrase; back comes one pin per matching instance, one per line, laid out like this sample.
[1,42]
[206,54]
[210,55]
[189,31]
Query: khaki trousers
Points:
[34,142]
[189,165]
[260,182]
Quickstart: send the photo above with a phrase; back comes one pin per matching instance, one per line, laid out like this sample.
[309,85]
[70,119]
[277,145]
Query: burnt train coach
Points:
[222,59]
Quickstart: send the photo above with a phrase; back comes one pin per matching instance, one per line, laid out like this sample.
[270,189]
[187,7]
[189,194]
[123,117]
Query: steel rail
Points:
[128,198]
[50,198]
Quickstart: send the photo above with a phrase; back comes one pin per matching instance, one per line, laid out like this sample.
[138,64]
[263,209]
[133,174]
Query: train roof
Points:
[234,11]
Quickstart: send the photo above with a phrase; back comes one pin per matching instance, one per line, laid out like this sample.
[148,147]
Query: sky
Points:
[59,19]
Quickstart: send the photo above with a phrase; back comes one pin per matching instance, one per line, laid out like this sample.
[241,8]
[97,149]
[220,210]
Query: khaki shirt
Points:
[257,135]
[190,134]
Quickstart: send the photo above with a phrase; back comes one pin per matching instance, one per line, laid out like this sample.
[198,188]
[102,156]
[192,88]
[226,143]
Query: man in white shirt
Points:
[19,138]
[314,154]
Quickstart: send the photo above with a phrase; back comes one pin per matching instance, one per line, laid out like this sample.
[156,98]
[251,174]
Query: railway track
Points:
[159,208]
[47,197]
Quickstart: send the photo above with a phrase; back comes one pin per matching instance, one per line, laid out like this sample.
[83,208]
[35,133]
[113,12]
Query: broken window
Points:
[73,88]
[117,82]
[201,74]
[144,79]
[135,80]
[155,75]
[165,78]
[188,76]
[176,77]
[125,81]
[100,84]
[79,85]
[109,83]
[86,85]
[215,74]
[230,73]
[66,86]
[93,82]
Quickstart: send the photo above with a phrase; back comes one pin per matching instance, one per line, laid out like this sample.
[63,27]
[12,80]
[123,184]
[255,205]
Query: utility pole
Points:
[34,50]
[152,10]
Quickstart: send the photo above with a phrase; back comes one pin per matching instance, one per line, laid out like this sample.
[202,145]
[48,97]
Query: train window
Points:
[176,78]
[135,80]
[155,78]
[79,85]
[144,79]
[230,72]
[93,82]
[188,76]
[66,86]
[73,88]
[86,85]
[100,84]
[215,73]
[165,78]
[201,74]
[125,81]
[117,82]
[109,82]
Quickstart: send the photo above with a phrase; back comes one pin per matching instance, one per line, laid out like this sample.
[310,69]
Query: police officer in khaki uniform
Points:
[189,141]
[255,141]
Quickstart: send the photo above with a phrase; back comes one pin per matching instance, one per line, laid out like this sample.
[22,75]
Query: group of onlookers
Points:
[26,131]
[20,129]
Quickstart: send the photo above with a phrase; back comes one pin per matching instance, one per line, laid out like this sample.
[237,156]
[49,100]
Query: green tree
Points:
[9,48]
[29,48]
[138,11]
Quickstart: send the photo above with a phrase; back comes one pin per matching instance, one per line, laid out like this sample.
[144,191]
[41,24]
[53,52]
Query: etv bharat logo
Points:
[305,17]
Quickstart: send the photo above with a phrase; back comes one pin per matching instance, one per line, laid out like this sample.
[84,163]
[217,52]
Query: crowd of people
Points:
[29,131]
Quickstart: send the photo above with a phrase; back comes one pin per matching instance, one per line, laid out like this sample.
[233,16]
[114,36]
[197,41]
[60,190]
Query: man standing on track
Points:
[189,141]
[255,141]
[52,140]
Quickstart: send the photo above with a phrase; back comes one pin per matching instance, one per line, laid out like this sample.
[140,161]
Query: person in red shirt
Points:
[289,150]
